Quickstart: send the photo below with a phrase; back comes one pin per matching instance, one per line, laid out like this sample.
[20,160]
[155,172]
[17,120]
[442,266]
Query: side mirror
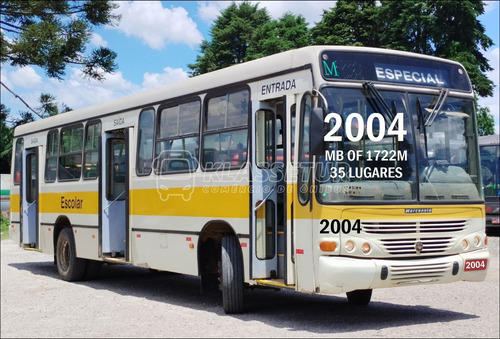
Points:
[317,131]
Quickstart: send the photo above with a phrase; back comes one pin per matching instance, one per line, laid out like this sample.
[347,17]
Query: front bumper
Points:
[344,274]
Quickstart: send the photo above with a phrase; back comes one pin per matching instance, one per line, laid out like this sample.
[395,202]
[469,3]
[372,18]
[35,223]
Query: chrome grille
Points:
[407,245]
[396,227]
[382,227]
[408,273]
[443,226]
[401,237]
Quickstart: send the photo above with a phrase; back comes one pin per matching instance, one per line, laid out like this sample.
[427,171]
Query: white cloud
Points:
[208,11]
[490,6]
[169,75]
[25,77]
[98,40]
[77,92]
[156,25]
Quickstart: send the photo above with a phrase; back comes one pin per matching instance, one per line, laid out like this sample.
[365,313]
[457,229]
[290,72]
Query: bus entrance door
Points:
[29,202]
[264,195]
[114,194]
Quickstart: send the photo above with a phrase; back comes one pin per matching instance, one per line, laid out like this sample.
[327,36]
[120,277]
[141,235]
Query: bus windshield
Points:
[490,166]
[394,145]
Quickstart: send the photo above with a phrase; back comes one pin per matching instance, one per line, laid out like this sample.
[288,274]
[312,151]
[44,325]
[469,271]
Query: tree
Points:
[485,121]
[48,107]
[407,26]
[442,28]
[351,23]
[53,34]
[447,29]
[288,32]
[231,34]
[5,140]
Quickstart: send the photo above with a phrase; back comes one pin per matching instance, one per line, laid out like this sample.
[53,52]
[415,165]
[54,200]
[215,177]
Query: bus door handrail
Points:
[111,203]
[27,207]
[265,199]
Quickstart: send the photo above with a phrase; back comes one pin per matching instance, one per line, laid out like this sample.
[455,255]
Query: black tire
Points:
[232,278]
[359,297]
[70,267]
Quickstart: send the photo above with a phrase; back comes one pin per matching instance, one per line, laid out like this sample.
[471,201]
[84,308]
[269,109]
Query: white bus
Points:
[489,153]
[324,169]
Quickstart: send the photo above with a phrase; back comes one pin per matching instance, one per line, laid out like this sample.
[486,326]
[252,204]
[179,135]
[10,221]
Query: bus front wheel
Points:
[359,297]
[70,267]
[231,275]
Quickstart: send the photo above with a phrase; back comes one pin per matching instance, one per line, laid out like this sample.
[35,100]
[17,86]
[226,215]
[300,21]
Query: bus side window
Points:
[18,155]
[177,139]
[224,142]
[70,159]
[52,155]
[145,142]
[92,143]
[304,179]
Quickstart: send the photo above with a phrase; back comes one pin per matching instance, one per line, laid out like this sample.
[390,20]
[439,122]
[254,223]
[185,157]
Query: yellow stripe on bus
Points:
[210,201]
[85,202]
[379,212]
[14,202]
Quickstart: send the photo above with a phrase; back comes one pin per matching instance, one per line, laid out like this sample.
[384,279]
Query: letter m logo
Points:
[330,70]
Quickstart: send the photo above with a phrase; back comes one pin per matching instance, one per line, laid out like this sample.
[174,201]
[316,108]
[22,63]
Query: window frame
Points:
[70,153]
[91,150]
[219,131]
[49,155]
[193,159]
[139,149]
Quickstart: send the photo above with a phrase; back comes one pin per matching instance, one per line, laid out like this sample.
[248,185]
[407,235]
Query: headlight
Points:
[349,245]
[465,244]
[477,240]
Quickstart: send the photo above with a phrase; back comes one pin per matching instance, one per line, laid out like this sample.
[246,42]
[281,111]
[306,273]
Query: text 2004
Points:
[336,226]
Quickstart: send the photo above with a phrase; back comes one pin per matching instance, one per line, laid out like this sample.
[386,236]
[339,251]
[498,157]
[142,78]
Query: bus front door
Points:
[264,195]
[29,201]
[114,194]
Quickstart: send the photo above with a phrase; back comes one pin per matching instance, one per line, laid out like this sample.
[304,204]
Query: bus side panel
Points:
[165,231]
[304,253]
[15,221]
[77,209]
[164,250]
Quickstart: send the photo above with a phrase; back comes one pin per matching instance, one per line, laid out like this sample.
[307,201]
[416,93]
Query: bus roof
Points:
[266,66]
[493,139]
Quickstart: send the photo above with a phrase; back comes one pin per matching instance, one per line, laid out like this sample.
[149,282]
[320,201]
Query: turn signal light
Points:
[327,245]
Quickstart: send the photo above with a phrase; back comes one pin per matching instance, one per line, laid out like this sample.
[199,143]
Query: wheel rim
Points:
[64,255]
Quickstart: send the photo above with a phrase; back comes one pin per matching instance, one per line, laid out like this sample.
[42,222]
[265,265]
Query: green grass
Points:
[5,227]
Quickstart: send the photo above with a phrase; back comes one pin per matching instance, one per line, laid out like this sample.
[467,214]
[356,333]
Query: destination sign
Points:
[392,69]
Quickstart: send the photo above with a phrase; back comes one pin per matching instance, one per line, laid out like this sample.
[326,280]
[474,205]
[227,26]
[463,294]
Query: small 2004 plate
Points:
[475,264]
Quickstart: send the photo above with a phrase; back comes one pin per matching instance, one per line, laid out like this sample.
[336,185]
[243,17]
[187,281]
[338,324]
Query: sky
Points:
[156,40]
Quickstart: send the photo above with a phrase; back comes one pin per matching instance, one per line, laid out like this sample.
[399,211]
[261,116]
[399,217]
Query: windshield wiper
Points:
[437,106]
[379,102]
[421,124]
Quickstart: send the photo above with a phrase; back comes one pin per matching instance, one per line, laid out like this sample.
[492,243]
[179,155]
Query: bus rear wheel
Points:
[231,276]
[359,297]
[70,267]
